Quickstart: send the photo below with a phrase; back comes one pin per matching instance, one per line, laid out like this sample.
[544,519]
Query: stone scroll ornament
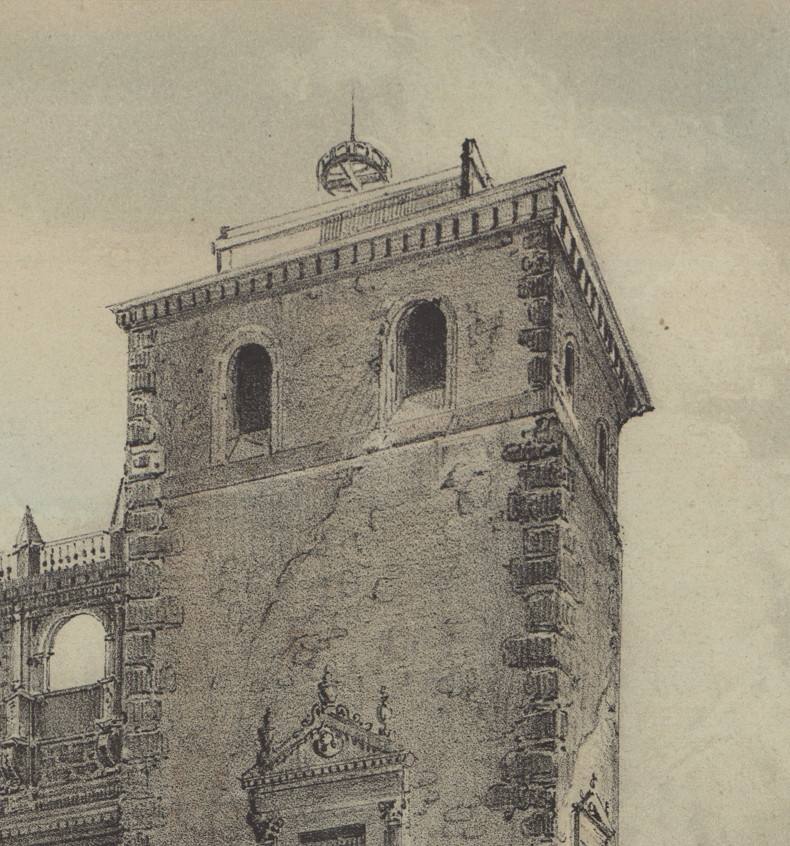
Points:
[266,829]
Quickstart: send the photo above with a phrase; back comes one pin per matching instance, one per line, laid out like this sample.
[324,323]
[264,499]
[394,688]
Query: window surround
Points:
[45,643]
[570,385]
[602,440]
[389,405]
[223,412]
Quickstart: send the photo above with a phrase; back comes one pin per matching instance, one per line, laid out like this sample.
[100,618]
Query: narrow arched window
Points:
[251,379]
[77,657]
[602,449]
[422,350]
[569,366]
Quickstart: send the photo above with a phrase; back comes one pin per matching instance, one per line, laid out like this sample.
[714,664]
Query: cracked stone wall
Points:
[389,568]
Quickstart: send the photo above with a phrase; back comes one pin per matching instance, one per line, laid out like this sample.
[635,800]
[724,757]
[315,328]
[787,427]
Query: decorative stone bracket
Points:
[265,828]
[392,813]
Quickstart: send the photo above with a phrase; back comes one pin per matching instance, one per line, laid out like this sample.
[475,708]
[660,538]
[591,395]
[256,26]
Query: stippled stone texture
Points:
[462,560]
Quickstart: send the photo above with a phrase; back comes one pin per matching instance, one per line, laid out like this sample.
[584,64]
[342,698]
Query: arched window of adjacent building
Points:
[77,656]
[251,380]
[422,351]
[602,449]
[569,366]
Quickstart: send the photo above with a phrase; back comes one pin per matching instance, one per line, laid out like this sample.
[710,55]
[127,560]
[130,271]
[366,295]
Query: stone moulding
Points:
[545,196]
[334,759]
[587,273]
[481,214]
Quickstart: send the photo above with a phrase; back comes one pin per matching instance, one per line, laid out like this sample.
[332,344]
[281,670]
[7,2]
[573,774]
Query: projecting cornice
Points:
[588,276]
[451,223]
[544,196]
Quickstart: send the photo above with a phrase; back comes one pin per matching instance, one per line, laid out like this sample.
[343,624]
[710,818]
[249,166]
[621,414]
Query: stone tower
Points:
[365,566]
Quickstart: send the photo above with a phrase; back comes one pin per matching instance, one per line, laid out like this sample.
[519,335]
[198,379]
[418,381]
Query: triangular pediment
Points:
[331,737]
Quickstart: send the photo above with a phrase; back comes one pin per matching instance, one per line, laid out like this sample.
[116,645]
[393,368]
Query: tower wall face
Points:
[464,556]
[330,341]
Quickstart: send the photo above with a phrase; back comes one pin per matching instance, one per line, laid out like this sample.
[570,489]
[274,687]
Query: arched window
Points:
[569,366]
[422,350]
[602,449]
[246,412]
[251,380]
[78,653]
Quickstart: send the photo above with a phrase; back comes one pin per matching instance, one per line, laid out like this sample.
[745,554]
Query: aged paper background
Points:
[131,131]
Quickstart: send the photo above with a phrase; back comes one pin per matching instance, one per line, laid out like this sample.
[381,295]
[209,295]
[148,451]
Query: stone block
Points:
[154,613]
[138,647]
[549,610]
[543,473]
[545,725]
[535,507]
[536,260]
[153,545]
[539,311]
[538,372]
[534,286]
[141,746]
[144,579]
[524,767]
[537,650]
[535,340]
[540,541]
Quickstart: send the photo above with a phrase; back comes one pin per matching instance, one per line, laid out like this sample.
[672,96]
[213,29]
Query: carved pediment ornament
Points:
[328,743]
[595,809]
[265,740]
[331,728]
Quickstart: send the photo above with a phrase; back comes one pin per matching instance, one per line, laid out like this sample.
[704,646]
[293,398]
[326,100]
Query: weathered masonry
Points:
[362,585]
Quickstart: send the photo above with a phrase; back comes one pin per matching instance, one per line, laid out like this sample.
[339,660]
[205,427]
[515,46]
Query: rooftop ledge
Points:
[374,210]
[299,248]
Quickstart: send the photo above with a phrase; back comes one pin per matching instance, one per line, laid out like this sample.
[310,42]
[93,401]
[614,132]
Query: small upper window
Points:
[251,374]
[569,366]
[603,450]
[422,350]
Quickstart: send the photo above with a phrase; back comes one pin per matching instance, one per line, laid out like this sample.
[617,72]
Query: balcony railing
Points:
[63,554]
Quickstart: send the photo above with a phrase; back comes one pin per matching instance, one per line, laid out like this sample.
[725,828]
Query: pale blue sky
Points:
[130,132]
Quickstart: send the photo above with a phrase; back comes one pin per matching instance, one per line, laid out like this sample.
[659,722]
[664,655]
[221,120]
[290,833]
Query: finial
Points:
[327,688]
[28,534]
[265,738]
[384,713]
[353,116]
[593,781]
